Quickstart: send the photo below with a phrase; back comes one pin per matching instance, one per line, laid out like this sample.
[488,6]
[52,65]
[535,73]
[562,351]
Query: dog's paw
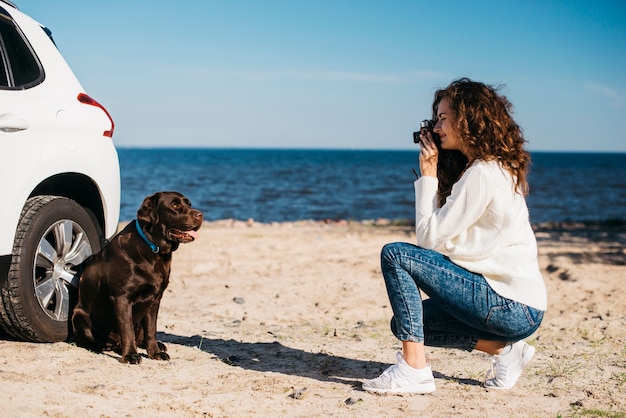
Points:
[160,355]
[162,347]
[132,358]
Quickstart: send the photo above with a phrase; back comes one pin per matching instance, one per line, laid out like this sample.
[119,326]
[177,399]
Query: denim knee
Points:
[390,249]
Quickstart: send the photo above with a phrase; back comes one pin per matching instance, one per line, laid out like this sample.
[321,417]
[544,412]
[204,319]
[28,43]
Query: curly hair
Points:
[486,127]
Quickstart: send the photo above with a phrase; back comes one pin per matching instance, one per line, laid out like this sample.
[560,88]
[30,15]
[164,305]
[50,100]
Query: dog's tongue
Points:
[194,234]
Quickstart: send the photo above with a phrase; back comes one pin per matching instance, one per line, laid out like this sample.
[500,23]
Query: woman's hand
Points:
[429,156]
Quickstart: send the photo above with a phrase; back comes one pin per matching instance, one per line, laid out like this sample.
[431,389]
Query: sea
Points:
[286,185]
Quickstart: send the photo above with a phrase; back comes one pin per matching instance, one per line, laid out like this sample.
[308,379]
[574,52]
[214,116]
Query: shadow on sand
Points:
[277,358]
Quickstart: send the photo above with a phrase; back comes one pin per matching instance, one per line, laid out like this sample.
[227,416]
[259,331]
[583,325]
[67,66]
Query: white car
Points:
[59,181]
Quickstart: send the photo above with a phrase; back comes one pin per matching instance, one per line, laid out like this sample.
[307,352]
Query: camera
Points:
[425,126]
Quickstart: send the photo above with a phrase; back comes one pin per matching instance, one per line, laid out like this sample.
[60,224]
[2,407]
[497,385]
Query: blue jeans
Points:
[461,308]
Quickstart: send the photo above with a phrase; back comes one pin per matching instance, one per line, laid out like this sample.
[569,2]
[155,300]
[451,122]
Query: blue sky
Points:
[342,74]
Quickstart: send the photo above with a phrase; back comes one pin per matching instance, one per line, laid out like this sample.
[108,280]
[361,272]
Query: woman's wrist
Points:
[429,172]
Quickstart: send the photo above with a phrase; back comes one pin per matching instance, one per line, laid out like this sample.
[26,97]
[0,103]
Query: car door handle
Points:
[10,123]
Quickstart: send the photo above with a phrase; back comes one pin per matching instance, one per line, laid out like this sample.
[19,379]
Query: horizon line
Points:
[236,148]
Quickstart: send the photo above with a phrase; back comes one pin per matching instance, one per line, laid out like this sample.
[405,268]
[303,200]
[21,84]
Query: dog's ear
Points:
[148,212]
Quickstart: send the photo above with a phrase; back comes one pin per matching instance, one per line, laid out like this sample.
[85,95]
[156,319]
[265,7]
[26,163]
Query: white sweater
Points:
[483,227]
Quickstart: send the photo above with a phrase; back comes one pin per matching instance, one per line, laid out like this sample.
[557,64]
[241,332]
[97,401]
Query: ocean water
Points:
[275,185]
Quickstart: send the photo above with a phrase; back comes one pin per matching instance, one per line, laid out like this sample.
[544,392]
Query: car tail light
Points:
[83,98]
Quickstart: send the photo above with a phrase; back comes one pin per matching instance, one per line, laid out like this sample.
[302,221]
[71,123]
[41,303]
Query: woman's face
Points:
[445,127]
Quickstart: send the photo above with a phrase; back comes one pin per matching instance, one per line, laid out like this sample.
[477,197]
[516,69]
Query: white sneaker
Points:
[507,368]
[402,378]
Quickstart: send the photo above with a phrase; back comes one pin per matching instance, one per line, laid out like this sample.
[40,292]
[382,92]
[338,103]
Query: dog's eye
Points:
[175,206]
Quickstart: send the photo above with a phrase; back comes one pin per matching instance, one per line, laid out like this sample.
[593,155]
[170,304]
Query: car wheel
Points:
[54,236]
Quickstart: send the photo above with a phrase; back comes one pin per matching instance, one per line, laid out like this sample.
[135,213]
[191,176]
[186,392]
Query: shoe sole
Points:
[422,390]
[528,356]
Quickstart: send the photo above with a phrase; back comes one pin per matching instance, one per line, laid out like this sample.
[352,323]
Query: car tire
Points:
[54,236]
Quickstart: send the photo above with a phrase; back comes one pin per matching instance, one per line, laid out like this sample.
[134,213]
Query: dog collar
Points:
[152,245]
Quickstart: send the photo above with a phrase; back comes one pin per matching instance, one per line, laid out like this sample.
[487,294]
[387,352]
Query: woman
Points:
[476,254]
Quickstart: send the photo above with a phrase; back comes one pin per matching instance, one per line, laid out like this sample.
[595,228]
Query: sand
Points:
[287,320]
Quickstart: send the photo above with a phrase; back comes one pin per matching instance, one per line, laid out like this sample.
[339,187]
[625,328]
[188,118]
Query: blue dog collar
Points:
[152,245]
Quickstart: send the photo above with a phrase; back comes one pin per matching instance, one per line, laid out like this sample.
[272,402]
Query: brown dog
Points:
[121,287]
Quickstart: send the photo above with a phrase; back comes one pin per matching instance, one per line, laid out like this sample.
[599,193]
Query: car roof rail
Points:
[10,3]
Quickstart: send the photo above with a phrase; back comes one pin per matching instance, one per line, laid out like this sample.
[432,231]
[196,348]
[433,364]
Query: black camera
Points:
[425,126]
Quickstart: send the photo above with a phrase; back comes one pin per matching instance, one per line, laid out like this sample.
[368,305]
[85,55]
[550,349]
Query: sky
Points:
[341,74]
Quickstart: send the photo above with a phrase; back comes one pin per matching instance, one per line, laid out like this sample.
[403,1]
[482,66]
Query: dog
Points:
[120,288]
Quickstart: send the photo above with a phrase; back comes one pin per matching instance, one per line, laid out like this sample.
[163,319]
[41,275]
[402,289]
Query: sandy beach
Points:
[287,320]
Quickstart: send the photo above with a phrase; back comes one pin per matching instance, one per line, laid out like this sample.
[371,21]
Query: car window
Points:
[4,74]
[19,67]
